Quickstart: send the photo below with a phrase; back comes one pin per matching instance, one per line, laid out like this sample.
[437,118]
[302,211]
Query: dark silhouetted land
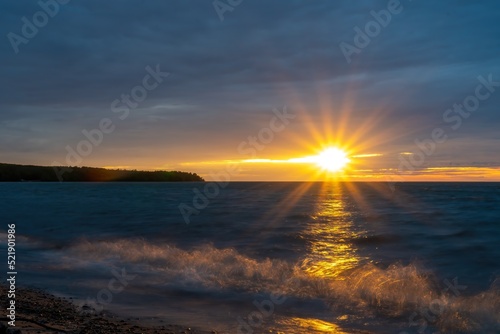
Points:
[19,173]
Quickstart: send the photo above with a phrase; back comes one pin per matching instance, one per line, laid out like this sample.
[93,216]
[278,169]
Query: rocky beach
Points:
[42,313]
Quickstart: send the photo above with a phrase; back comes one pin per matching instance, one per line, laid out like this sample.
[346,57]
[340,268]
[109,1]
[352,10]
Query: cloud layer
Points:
[227,76]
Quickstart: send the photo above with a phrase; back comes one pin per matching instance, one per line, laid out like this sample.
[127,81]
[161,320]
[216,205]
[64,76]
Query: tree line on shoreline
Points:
[19,173]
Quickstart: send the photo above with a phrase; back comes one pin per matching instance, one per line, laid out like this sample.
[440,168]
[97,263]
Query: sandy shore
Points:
[40,312]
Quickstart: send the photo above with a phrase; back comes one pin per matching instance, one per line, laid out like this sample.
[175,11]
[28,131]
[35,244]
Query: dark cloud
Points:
[226,76]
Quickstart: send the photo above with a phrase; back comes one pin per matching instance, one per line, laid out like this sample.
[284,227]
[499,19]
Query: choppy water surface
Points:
[289,257]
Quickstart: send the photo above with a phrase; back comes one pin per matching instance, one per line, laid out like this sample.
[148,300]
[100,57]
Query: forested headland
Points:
[19,173]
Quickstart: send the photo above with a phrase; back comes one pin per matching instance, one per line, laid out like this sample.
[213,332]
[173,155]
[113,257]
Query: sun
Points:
[332,159]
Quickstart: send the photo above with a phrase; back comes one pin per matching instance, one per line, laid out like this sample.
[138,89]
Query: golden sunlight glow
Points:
[311,325]
[332,159]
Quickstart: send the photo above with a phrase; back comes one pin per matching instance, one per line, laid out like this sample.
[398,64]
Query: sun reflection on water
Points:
[311,325]
[331,252]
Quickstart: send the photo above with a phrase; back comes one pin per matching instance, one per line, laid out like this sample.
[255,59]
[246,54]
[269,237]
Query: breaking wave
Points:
[397,291]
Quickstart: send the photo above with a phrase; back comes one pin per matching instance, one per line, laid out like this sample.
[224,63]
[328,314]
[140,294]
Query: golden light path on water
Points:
[313,325]
[330,252]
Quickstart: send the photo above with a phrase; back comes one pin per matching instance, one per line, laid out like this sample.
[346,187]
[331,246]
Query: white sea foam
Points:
[396,291]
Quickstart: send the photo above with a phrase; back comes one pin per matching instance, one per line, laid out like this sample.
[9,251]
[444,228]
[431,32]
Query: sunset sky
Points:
[420,100]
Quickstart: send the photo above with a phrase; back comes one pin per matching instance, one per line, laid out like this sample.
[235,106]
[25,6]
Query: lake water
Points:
[267,257]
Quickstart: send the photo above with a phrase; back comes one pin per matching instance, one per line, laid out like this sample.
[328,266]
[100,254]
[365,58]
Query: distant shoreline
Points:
[31,173]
